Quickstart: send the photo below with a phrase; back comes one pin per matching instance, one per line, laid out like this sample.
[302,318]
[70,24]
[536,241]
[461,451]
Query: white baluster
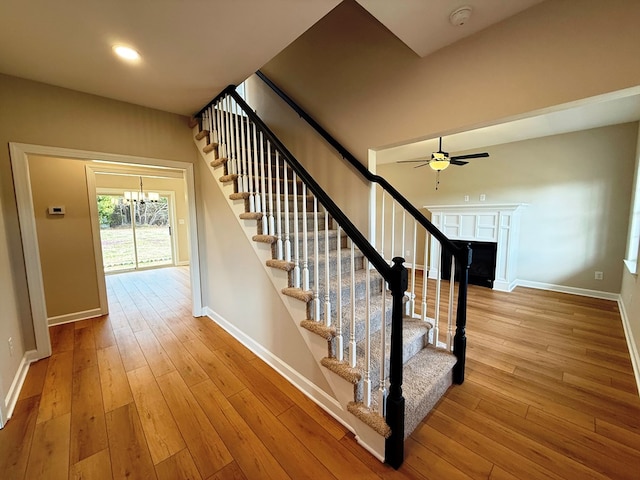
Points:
[247,164]
[436,320]
[393,230]
[367,337]
[296,236]
[352,327]
[222,142]
[382,388]
[404,223]
[305,246]
[339,340]
[382,225]
[279,209]
[450,312]
[425,276]
[316,263]
[412,301]
[257,175]
[237,152]
[230,142]
[272,225]
[327,299]
[286,219]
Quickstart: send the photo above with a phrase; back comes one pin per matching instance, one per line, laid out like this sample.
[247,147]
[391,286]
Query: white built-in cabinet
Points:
[482,223]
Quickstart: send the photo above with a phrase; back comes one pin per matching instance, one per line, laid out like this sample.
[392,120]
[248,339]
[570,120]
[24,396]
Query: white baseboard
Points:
[572,290]
[74,317]
[16,385]
[318,396]
[631,343]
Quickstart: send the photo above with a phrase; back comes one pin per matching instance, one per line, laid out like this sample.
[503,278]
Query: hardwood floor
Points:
[151,392]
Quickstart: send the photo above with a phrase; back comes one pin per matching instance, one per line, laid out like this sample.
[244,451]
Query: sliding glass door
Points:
[135,233]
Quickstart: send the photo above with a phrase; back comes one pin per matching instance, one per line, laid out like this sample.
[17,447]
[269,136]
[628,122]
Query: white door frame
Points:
[20,164]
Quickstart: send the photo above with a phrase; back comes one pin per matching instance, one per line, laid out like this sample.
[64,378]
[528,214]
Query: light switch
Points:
[56,210]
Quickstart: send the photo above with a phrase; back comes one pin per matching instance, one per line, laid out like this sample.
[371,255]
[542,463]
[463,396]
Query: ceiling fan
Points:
[441,160]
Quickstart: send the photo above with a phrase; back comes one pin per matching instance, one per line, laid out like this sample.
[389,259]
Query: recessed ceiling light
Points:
[126,53]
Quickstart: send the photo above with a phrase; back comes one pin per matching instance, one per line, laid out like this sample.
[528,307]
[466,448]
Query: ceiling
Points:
[423,25]
[192,49]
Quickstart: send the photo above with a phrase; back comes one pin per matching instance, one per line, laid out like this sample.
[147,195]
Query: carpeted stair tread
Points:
[369,417]
[319,329]
[264,239]
[251,216]
[228,178]
[343,369]
[210,147]
[201,134]
[280,265]
[427,376]
[219,162]
[298,293]
[239,195]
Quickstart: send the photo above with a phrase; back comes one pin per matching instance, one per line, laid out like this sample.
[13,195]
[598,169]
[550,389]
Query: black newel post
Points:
[460,338]
[394,445]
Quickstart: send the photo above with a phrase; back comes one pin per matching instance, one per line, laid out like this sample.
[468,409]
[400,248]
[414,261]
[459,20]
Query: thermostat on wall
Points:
[56,210]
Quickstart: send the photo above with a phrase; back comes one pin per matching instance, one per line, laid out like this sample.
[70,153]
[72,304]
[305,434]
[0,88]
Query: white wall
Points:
[577,187]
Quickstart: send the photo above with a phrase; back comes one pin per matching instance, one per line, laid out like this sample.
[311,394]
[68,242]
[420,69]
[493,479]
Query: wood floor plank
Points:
[88,428]
[160,429]
[62,338]
[129,453]
[247,450]
[157,358]
[230,472]
[102,332]
[83,338]
[294,456]
[113,379]
[205,445]
[130,352]
[225,379]
[338,461]
[16,438]
[49,456]
[430,464]
[189,369]
[465,460]
[178,466]
[34,382]
[95,467]
[56,393]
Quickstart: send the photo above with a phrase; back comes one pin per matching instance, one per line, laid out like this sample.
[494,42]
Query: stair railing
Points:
[274,183]
[394,240]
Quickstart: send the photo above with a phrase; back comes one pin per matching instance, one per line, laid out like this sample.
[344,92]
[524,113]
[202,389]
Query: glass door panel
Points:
[116,233]
[145,242]
[153,233]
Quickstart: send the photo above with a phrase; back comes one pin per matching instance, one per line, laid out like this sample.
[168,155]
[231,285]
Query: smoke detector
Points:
[460,16]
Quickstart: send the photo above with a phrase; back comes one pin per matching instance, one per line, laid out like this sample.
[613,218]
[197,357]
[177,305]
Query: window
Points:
[633,241]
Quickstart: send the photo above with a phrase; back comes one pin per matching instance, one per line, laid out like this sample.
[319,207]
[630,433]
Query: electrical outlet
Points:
[483,197]
[466,198]
[407,254]
[10,342]
[599,276]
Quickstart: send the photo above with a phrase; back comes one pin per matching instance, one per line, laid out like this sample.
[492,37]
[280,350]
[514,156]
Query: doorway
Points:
[136,231]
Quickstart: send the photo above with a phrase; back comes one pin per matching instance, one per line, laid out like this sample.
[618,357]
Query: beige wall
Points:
[65,242]
[369,90]
[40,114]
[175,185]
[578,209]
[237,288]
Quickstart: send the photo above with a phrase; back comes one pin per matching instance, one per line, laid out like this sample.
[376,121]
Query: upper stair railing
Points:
[397,224]
[279,190]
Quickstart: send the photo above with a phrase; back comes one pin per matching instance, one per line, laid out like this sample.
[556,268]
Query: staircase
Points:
[355,307]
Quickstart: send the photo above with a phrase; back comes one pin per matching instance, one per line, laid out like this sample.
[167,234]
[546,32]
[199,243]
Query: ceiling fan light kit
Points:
[441,160]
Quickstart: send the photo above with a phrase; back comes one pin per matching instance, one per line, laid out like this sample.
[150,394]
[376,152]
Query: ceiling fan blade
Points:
[471,155]
[413,161]
[457,162]
[423,165]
